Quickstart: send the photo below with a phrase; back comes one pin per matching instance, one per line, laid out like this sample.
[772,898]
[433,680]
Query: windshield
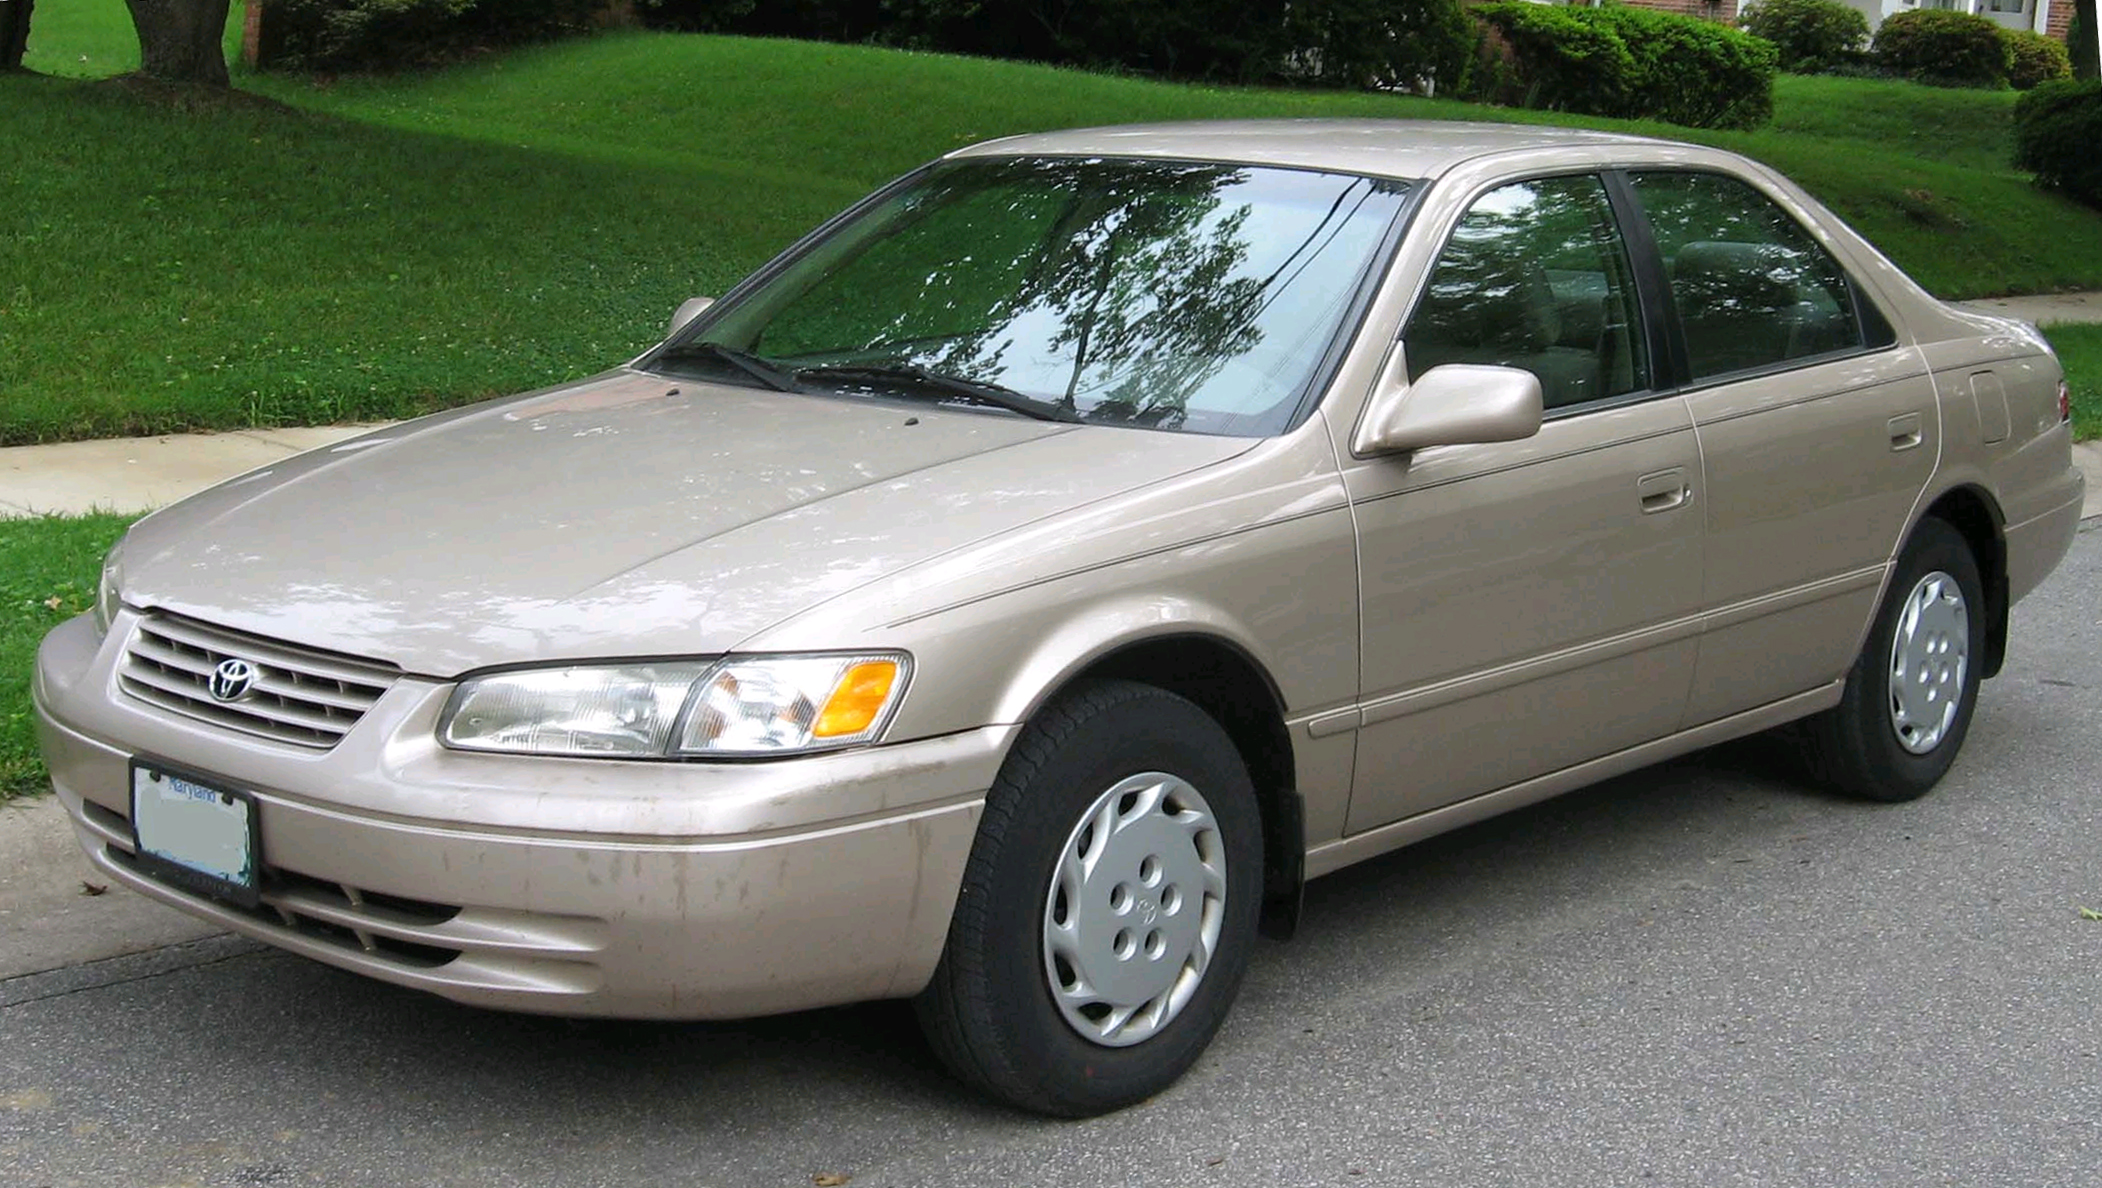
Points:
[1161,294]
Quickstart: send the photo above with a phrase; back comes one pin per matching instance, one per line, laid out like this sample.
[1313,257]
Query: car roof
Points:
[1378,148]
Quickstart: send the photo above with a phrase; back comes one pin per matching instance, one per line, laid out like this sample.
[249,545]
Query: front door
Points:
[1527,605]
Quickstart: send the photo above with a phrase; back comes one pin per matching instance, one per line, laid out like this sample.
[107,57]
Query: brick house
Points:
[2053,17]
[2043,16]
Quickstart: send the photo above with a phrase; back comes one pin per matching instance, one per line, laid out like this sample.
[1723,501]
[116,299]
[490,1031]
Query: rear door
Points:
[1817,429]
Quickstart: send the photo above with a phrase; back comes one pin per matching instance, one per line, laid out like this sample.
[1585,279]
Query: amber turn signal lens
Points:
[857,699]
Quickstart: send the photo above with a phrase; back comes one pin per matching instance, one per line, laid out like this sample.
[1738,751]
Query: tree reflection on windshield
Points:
[1160,294]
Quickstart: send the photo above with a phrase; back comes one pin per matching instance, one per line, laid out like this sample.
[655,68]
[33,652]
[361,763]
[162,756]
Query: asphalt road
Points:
[1703,974]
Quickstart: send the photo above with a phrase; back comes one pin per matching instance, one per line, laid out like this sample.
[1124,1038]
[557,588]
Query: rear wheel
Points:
[1911,692]
[1108,909]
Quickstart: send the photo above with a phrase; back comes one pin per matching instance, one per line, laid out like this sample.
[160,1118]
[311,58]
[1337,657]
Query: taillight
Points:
[2065,402]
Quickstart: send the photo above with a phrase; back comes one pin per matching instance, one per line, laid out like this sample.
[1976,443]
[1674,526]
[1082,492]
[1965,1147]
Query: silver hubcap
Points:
[1134,910]
[1928,657]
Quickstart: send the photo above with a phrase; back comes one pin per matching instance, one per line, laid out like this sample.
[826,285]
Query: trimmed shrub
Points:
[2056,129]
[1620,61]
[1694,72]
[1417,45]
[1942,47]
[340,34]
[816,20]
[2034,59]
[1412,44]
[1558,58]
[694,16]
[1809,35]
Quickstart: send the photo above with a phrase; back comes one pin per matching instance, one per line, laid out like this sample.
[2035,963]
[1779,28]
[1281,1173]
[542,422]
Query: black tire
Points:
[1854,746]
[989,1012]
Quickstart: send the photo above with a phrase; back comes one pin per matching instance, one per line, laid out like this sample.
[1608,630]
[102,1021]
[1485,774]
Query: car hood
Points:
[625,515]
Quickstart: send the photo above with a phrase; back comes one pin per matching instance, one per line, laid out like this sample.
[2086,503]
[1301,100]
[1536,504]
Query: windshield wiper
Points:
[913,375]
[745,361]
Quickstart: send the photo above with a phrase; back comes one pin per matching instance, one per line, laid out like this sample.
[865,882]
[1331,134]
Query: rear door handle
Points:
[1663,491]
[1905,432]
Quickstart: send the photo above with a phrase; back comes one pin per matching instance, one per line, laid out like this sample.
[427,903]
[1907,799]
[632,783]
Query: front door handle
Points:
[1663,491]
[1905,432]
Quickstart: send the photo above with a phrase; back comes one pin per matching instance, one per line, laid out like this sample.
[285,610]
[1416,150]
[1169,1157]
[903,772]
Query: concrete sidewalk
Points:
[56,911]
[2046,310]
[137,474]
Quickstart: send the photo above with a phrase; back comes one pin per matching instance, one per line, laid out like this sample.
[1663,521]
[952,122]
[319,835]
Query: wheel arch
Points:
[1973,512]
[1230,685]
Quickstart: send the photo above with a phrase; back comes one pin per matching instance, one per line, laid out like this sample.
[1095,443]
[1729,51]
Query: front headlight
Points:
[109,590]
[740,707]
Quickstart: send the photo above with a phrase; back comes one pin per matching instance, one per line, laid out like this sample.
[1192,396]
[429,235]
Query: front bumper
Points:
[576,887]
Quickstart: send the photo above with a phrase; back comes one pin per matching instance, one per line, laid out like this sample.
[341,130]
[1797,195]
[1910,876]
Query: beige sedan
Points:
[1012,594]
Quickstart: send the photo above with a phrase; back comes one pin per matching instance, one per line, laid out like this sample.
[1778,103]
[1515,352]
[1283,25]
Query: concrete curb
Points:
[2088,456]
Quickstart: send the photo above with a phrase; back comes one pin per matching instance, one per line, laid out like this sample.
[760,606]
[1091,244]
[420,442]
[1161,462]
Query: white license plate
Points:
[195,835]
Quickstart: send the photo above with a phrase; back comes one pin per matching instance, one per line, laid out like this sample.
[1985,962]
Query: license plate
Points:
[196,835]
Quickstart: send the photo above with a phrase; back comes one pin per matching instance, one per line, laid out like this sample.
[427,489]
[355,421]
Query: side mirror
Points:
[1451,404]
[688,310]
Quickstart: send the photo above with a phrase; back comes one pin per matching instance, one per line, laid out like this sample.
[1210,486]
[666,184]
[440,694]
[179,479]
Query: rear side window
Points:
[1752,288]
[1536,277]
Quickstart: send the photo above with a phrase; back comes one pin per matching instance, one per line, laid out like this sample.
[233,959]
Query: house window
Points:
[2003,5]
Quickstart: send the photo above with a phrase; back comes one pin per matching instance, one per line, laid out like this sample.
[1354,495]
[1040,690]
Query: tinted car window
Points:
[1752,288]
[1158,294]
[1536,277]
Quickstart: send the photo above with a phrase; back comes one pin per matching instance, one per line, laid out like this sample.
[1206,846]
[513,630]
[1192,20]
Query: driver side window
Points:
[1536,277]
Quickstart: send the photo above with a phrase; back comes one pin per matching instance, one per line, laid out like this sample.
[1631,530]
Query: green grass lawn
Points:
[2080,350]
[1951,125]
[48,569]
[1921,171]
[95,39]
[255,265]
[377,246]
[86,39]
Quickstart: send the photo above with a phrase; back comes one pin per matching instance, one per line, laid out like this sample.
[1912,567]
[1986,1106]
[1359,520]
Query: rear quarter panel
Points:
[1997,385]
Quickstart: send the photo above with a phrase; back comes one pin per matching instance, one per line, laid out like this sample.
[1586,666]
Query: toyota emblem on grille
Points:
[232,680]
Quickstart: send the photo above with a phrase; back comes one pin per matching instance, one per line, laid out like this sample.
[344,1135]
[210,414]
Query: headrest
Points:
[1477,303]
[1713,276]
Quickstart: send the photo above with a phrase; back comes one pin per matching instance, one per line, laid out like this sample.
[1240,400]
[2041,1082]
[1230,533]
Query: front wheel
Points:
[1108,909]
[1911,692]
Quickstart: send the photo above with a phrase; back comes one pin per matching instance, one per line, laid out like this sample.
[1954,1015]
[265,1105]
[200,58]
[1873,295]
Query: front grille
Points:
[298,696]
[340,915]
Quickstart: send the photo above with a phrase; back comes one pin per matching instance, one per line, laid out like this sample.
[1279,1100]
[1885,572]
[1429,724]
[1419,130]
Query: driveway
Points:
[1701,975]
